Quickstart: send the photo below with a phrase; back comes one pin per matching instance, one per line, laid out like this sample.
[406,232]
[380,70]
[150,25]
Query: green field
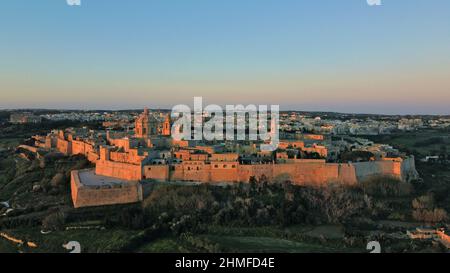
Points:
[225,239]
[423,143]
[294,239]
[265,244]
[6,143]
[163,245]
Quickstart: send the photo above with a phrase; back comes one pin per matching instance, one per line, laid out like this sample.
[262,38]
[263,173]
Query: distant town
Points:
[314,122]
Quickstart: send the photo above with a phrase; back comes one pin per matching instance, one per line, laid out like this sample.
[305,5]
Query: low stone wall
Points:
[88,196]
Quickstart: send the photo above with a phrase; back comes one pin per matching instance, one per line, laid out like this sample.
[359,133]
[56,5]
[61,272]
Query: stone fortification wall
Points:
[88,196]
[64,146]
[82,148]
[408,169]
[368,170]
[119,170]
[315,172]
[301,173]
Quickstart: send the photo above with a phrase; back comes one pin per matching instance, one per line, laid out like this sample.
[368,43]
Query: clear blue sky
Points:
[329,55]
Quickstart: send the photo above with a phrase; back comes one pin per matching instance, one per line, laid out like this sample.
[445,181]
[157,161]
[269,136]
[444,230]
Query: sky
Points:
[311,55]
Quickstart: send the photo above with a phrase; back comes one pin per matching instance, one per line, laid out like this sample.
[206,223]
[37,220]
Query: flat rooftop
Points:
[89,178]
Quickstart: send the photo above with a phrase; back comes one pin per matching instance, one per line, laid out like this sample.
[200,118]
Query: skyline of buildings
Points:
[71,110]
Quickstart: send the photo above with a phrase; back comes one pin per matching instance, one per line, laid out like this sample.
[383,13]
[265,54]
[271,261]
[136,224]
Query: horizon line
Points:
[168,109]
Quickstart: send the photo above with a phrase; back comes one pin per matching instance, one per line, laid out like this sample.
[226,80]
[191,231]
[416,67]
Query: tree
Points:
[425,210]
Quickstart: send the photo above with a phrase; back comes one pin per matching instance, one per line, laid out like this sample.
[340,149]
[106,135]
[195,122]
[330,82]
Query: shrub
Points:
[423,202]
[430,215]
[425,210]
[386,187]
[54,221]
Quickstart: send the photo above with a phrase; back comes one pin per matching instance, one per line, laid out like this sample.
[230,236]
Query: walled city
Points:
[126,158]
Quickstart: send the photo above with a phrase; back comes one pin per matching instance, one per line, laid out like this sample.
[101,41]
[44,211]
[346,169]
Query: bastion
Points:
[89,189]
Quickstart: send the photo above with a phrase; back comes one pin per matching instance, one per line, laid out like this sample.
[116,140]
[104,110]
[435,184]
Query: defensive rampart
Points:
[88,193]
[300,172]
[119,170]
